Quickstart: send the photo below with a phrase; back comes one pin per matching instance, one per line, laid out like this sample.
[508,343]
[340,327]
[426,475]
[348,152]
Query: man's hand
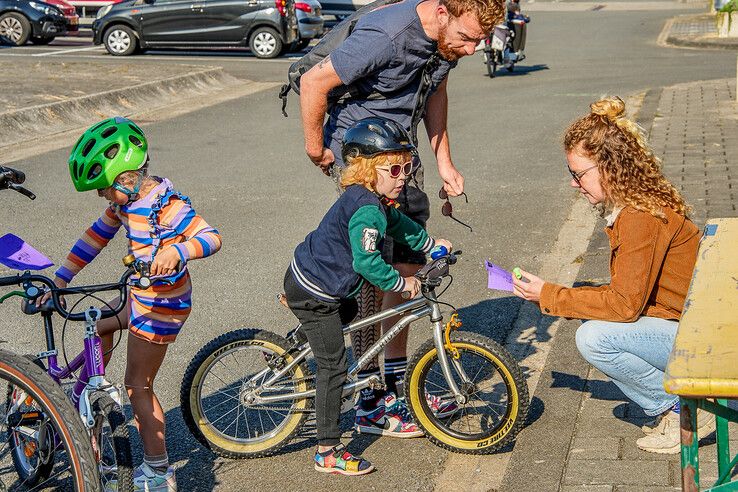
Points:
[324,160]
[528,286]
[453,181]
[412,286]
[165,262]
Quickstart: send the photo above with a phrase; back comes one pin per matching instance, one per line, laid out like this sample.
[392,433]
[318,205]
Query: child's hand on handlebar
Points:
[412,287]
[61,284]
[445,243]
[165,262]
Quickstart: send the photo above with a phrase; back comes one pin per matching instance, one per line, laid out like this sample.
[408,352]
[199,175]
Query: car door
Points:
[228,20]
[173,21]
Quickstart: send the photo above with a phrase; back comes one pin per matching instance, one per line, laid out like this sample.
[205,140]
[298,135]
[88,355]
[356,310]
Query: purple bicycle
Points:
[96,400]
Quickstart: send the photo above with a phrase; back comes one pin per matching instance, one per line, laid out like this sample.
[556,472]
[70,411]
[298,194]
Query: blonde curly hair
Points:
[630,172]
[363,170]
[487,12]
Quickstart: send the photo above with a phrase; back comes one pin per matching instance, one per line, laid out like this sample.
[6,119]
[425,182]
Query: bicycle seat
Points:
[30,307]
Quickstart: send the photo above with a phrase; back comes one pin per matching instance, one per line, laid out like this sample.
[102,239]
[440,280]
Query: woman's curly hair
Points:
[630,172]
[363,170]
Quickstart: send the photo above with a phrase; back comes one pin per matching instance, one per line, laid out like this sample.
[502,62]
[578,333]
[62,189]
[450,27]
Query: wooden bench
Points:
[703,366]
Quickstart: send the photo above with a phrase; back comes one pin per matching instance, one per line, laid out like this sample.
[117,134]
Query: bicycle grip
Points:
[405,294]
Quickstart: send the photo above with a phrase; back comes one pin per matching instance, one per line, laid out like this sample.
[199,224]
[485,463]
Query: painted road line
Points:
[73,50]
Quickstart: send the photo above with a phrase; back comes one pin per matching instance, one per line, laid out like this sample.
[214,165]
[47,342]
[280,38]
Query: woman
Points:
[653,251]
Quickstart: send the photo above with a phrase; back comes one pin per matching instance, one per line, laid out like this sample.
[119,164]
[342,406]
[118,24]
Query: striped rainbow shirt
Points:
[161,219]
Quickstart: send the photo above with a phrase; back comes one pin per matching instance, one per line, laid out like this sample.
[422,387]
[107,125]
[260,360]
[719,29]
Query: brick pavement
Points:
[582,439]
[695,30]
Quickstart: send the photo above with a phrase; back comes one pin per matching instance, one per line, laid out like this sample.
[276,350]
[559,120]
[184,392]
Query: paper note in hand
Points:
[17,254]
[498,278]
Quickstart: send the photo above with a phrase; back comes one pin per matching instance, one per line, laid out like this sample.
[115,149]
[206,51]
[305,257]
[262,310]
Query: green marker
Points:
[519,276]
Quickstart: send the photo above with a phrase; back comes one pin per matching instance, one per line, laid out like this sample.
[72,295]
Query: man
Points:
[388,52]
[517,22]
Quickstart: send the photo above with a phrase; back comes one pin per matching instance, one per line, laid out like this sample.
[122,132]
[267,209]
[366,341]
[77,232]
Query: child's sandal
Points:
[339,461]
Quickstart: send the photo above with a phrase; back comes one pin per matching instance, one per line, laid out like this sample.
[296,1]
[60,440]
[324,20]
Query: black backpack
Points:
[331,41]
[325,46]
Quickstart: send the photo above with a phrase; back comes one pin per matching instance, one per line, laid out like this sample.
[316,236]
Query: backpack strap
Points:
[426,83]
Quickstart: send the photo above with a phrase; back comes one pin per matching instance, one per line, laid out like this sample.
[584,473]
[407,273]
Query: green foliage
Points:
[731,6]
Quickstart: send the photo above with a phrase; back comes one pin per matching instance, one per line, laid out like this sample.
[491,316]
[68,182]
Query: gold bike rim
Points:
[219,439]
[436,432]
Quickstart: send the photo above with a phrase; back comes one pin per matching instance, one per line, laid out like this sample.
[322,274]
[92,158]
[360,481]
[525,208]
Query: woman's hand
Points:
[165,262]
[60,284]
[528,286]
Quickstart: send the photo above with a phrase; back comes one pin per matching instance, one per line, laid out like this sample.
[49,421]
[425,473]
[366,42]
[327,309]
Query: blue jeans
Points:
[634,356]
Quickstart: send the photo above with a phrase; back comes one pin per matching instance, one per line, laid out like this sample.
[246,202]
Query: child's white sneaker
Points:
[147,480]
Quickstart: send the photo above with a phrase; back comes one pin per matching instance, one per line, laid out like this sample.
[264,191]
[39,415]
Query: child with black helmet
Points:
[111,158]
[330,266]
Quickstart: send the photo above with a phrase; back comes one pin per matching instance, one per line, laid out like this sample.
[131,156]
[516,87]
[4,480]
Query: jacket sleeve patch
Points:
[369,240]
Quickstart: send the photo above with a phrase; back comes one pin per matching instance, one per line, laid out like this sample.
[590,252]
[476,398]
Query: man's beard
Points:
[447,53]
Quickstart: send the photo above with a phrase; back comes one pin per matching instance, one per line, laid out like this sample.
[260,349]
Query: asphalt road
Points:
[243,166]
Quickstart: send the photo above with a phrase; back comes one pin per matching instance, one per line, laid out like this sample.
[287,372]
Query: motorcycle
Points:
[499,51]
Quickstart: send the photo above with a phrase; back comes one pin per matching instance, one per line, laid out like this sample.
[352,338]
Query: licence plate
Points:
[74,21]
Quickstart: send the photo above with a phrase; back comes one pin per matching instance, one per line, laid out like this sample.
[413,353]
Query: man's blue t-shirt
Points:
[386,51]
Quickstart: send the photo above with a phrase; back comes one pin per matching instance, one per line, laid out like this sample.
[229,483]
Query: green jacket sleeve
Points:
[406,231]
[366,228]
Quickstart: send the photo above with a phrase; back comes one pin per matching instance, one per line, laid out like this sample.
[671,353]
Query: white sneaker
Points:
[147,480]
[665,438]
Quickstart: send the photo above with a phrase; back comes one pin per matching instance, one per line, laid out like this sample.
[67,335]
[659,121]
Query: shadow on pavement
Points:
[521,70]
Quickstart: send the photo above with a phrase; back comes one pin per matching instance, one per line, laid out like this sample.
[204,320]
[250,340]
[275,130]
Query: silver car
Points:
[309,22]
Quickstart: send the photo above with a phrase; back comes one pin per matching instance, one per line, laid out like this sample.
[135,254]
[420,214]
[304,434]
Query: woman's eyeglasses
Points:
[408,168]
[447,209]
[578,176]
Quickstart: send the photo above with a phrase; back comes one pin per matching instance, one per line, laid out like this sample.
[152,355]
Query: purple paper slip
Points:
[498,278]
[17,254]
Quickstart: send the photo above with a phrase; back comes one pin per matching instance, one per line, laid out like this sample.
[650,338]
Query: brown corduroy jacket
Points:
[651,263]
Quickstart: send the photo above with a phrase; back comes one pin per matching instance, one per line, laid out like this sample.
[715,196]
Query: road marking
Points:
[73,50]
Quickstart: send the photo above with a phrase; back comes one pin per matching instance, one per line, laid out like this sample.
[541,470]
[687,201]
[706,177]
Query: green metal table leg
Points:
[723,446]
[690,460]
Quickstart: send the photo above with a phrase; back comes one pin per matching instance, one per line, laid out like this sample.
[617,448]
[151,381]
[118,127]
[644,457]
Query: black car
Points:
[21,20]
[267,27]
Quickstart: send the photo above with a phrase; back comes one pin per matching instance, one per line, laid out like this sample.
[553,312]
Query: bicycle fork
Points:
[93,370]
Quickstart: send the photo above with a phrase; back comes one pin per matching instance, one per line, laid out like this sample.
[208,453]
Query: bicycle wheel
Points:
[111,443]
[220,378]
[41,431]
[491,62]
[495,390]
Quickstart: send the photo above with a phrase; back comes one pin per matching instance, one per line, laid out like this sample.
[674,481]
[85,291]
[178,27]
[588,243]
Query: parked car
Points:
[342,8]
[309,22]
[267,27]
[21,20]
[70,14]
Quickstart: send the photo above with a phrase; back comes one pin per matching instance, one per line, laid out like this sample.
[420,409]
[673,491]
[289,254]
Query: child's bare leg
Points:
[144,361]
[106,328]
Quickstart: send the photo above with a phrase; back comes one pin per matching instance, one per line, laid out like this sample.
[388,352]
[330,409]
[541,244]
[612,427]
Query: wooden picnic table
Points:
[703,366]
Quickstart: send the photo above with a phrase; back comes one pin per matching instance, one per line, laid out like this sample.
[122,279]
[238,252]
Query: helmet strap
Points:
[131,194]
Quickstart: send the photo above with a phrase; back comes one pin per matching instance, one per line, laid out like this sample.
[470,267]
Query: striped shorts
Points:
[159,312]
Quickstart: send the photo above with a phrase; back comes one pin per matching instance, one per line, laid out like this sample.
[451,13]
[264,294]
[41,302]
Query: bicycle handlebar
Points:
[12,179]
[32,292]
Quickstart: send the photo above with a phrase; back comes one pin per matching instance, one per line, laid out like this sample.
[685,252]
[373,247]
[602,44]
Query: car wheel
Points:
[41,41]
[14,29]
[300,45]
[265,43]
[120,41]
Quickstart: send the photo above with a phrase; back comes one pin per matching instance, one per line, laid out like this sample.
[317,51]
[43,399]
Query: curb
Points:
[46,119]
[685,42]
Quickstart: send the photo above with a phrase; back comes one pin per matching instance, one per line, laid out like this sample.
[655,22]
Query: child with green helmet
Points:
[112,158]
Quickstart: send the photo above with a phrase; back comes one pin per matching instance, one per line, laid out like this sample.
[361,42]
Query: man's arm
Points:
[436,117]
[315,85]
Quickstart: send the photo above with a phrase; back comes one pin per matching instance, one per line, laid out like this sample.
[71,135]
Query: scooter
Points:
[498,50]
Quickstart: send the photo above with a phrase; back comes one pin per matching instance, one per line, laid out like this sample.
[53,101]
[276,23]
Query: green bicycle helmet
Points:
[106,150]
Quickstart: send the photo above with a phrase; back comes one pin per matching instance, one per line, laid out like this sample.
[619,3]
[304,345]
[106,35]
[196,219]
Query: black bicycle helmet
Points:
[372,136]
